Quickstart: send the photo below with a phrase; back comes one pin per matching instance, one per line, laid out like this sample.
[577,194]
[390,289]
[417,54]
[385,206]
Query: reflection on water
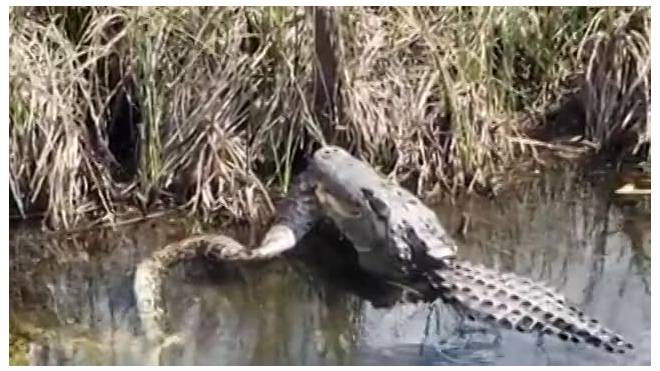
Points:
[315,307]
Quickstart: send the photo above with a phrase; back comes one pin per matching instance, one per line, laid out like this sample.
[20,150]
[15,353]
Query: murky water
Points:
[315,307]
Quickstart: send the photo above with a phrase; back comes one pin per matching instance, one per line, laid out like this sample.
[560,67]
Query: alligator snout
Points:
[327,153]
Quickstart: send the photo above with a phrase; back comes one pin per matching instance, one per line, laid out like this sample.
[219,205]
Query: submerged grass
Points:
[209,109]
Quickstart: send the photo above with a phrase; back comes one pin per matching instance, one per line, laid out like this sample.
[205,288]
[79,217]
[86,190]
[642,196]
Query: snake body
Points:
[295,216]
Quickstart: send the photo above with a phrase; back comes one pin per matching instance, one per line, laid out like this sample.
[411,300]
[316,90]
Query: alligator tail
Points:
[515,302]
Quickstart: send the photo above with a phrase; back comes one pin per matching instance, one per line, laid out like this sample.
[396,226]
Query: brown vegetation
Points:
[209,109]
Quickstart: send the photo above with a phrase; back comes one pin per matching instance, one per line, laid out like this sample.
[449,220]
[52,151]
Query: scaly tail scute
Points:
[516,302]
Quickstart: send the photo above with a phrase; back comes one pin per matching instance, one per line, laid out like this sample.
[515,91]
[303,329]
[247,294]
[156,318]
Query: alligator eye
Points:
[379,207]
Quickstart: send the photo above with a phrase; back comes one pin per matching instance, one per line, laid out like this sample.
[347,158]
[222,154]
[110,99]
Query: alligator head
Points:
[394,234]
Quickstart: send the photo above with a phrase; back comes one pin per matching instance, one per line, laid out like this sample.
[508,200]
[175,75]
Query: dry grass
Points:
[207,108]
[617,92]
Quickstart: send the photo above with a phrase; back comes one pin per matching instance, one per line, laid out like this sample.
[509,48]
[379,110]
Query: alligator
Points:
[398,239]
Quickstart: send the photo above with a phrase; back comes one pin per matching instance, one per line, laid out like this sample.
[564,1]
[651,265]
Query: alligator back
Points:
[516,302]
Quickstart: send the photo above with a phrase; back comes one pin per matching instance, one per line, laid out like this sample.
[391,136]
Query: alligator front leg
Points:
[296,215]
[294,218]
[516,302]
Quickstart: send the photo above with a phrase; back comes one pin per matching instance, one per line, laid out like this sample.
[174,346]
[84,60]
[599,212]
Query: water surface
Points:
[314,307]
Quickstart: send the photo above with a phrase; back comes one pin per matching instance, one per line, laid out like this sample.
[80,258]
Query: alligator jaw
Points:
[515,302]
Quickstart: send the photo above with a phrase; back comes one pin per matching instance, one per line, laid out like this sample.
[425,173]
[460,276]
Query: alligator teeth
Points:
[518,303]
